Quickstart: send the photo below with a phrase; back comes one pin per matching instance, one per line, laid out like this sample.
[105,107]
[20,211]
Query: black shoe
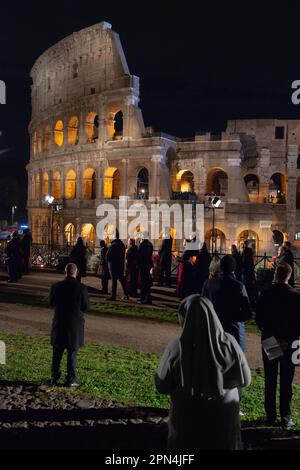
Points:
[73,383]
[270,422]
[54,382]
[111,298]
[287,422]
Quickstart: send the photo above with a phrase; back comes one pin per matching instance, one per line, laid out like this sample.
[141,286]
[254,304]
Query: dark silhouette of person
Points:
[277,315]
[26,243]
[201,266]
[286,256]
[70,300]
[14,258]
[238,261]
[248,276]
[202,370]
[103,270]
[145,262]
[165,259]
[116,259]
[132,268]
[230,300]
[187,282]
[79,257]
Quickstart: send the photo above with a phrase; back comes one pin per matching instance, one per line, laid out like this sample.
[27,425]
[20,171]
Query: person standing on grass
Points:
[70,300]
[278,315]
[79,257]
[132,268]
[116,259]
[145,262]
[103,271]
[26,243]
[165,259]
[14,258]
[248,276]
[202,371]
[201,266]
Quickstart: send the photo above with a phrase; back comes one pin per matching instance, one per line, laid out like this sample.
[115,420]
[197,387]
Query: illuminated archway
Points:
[88,234]
[217,182]
[143,184]
[37,186]
[89,184]
[45,189]
[73,130]
[185,181]
[251,237]
[47,139]
[70,234]
[216,242]
[118,126]
[112,183]
[34,143]
[109,233]
[92,126]
[55,234]
[278,237]
[252,184]
[59,133]
[40,141]
[56,191]
[70,185]
[277,189]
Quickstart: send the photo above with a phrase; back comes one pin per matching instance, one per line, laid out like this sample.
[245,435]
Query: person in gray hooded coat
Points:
[202,370]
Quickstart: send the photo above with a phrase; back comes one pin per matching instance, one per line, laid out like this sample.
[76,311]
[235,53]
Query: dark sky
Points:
[198,67]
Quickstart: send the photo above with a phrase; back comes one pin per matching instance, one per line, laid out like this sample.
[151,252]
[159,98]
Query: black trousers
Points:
[71,362]
[117,275]
[286,369]
[165,274]
[146,283]
[104,282]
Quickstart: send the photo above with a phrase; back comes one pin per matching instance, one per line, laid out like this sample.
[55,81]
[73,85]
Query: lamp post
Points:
[215,203]
[13,214]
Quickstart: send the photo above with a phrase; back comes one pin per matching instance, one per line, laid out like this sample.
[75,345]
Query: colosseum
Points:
[89,145]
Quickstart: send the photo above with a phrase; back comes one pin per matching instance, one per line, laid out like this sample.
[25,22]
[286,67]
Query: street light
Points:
[215,203]
[13,214]
[54,208]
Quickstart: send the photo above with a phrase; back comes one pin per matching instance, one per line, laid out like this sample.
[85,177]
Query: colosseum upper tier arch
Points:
[89,145]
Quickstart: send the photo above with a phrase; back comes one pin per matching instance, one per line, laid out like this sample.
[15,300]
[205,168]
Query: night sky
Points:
[198,67]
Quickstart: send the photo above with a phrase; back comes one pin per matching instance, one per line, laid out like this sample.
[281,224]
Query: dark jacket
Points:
[239,265]
[116,255]
[248,265]
[78,256]
[201,268]
[132,257]
[12,249]
[278,312]
[145,252]
[26,244]
[103,266]
[230,301]
[165,252]
[70,300]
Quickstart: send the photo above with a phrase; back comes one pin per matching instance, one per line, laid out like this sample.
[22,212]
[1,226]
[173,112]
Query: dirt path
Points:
[144,335]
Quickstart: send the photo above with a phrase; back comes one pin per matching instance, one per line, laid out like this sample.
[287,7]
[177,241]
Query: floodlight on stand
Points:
[49,199]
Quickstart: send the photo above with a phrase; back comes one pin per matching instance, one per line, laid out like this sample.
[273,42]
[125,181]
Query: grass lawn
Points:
[115,373]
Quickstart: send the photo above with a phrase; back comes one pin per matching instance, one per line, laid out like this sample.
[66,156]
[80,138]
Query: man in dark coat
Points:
[26,249]
[78,256]
[165,259]
[278,315]
[238,261]
[103,271]
[230,300]
[14,258]
[248,276]
[116,259]
[70,300]
[132,268]
[145,262]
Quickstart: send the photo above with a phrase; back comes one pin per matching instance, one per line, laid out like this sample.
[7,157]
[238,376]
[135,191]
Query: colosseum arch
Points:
[217,182]
[47,138]
[185,181]
[73,127]
[56,191]
[118,125]
[92,126]
[70,185]
[39,141]
[37,186]
[55,234]
[89,183]
[216,242]
[34,143]
[112,183]
[142,184]
[88,234]
[45,186]
[59,133]
[277,188]
[70,234]
[251,237]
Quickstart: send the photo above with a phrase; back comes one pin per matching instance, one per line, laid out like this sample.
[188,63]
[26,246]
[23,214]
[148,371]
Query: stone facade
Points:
[89,145]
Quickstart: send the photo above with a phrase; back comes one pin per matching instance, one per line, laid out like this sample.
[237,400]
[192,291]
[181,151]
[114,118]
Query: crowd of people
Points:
[18,255]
